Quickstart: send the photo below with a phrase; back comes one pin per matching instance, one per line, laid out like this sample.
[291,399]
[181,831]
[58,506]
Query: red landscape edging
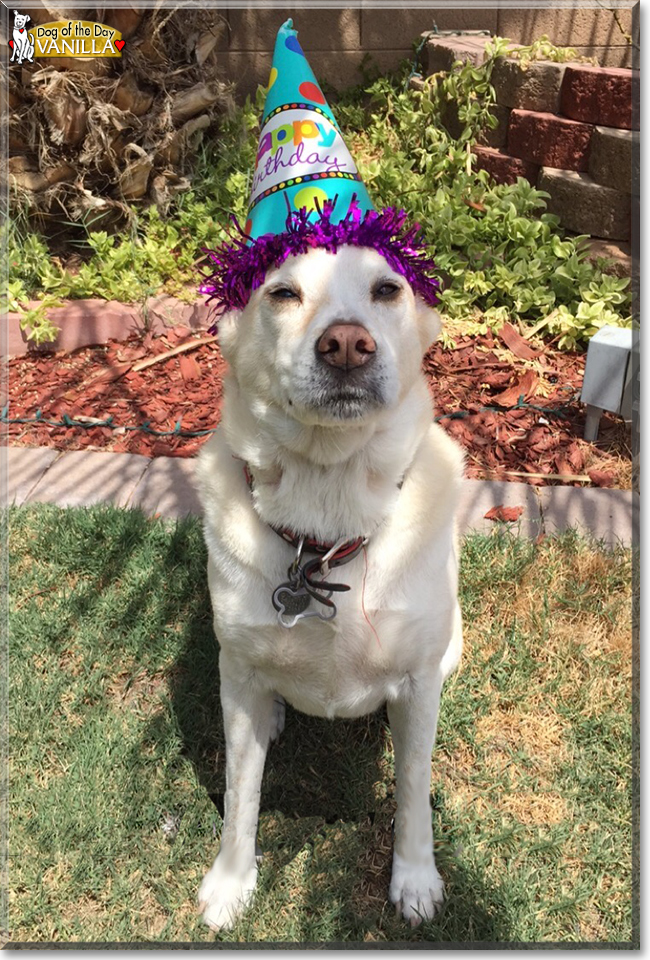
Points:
[84,323]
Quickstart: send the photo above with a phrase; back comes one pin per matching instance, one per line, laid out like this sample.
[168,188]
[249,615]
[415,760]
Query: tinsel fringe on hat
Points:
[240,264]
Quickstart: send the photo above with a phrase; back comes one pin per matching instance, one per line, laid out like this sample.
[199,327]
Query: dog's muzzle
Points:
[347,379]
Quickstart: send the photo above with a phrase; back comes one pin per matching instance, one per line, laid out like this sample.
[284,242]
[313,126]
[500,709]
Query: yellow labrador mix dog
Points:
[329,499]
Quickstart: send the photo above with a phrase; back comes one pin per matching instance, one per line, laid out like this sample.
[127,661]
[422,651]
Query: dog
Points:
[327,434]
[23,43]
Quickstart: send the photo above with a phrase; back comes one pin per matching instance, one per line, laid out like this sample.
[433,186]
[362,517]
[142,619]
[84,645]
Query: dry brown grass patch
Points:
[88,912]
[535,809]
[150,913]
[373,868]
[541,735]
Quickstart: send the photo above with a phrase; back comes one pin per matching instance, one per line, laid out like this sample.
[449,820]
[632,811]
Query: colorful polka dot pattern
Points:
[311,91]
[307,197]
[291,43]
[303,106]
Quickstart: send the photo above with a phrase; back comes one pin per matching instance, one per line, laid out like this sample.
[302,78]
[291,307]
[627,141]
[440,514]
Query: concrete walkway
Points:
[164,486]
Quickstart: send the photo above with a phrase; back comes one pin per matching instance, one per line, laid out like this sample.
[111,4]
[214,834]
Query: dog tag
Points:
[290,600]
[292,603]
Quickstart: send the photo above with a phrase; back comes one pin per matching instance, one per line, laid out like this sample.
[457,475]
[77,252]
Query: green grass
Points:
[115,723]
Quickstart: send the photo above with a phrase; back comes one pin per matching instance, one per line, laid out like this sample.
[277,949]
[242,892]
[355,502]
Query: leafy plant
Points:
[503,255]
[544,49]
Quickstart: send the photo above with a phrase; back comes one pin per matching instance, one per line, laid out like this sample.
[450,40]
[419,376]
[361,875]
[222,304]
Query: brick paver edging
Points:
[84,323]
[164,486]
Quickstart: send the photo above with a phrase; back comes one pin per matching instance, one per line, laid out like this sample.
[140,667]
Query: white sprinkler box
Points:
[607,382]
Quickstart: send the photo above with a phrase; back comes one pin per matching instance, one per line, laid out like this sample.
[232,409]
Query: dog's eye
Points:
[283,293]
[386,289]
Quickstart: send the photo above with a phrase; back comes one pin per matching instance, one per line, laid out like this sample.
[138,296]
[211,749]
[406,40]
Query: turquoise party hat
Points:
[302,160]
[306,192]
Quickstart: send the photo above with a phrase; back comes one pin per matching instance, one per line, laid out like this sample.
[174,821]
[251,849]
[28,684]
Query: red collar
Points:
[345,552]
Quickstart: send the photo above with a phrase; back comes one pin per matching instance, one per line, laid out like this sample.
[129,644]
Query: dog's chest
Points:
[344,668]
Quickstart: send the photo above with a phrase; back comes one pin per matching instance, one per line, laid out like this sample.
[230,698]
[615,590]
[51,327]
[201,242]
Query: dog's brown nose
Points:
[346,345]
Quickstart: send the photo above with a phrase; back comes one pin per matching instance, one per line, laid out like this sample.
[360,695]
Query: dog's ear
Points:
[228,329]
[429,323]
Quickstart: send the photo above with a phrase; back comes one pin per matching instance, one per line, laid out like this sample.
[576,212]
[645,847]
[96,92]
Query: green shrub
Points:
[503,255]
[506,257]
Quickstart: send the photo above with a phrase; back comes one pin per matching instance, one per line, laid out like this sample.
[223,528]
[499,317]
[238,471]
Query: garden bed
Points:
[514,407]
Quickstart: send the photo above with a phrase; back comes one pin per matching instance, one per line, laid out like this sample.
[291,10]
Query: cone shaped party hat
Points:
[306,192]
[302,160]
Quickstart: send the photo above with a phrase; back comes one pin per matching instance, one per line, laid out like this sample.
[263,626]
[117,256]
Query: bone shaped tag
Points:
[292,604]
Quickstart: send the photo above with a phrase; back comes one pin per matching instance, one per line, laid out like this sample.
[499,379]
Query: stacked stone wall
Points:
[571,129]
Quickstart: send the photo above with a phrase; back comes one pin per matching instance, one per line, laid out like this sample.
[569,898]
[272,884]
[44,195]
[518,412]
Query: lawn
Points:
[117,754]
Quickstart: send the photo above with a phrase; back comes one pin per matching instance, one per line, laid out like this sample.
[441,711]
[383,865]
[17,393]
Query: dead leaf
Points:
[190,370]
[515,342]
[525,387]
[575,457]
[507,514]
[563,467]
[601,478]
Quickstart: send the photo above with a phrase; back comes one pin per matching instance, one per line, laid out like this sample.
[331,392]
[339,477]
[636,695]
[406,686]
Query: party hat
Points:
[302,160]
[306,192]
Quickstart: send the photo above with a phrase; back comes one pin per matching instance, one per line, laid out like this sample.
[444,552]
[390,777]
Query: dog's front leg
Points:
[228,886]
[416,887]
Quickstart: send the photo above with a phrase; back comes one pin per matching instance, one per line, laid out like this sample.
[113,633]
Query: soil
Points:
[512,405]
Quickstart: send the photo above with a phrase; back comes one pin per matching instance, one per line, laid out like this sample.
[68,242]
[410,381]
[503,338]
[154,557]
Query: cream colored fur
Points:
[330,474]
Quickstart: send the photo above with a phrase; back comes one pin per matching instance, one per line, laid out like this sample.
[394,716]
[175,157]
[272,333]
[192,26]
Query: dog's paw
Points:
[224,895]
[417,891]
[277,719]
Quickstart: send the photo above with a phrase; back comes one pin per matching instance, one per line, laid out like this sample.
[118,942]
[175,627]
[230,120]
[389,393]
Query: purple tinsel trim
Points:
[240,264]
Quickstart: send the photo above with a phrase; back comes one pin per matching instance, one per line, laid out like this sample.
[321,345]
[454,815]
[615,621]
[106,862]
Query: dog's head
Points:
[330,337]
[20,19]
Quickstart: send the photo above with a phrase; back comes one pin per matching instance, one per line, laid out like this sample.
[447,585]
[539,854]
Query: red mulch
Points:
[510,441]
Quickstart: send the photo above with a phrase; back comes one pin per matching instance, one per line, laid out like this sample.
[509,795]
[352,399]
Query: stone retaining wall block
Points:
[548,140]
[610,160]
[486,137]
[599,95]
[499,136]
[83,323]
[442,52]
[502,167]
[417,83]
[535,87]
[585,206]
